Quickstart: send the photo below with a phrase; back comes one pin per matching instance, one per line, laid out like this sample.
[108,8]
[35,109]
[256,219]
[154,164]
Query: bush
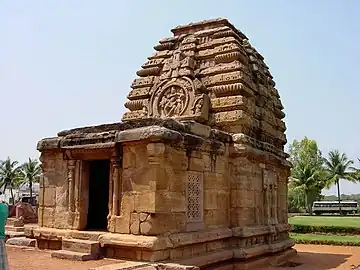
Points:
[298,228]
[325,240]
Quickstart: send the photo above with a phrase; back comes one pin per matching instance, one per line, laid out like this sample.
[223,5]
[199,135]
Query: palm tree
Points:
[30,173]
[356,172]
[339,167]
[308,179]
[9,175]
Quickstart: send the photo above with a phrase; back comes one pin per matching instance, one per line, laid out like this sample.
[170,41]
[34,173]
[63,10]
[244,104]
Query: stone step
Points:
[9,228]
[82,246]
[125,265]
[14,222]
[74,256]
[11,234]
[21,241]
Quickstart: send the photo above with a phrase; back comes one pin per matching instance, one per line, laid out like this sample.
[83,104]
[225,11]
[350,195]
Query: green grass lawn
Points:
[326,221]
[325,239]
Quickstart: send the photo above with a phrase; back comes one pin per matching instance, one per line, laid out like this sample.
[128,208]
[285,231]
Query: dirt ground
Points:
[310,257]
[30,259]
[317,257]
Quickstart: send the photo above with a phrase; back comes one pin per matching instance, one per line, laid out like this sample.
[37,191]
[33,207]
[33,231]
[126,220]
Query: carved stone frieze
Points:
[148,71]
[228,78]
[229,103]
[178,65]
[164,46]
[153,63]
[227,57]
[143,82]
[231,89]
[220,68]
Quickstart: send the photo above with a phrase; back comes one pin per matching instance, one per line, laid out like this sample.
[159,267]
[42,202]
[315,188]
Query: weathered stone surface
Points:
[14,229]
[73,256]
[127,265]
[173,266]
[21,241]
[82,246]
[136,241]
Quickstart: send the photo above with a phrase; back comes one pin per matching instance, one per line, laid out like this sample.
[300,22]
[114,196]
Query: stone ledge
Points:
[151,133]
[47,233]
[152,243]
[173,138]
[90,146]
[183,239]
[155,242]
[208,259]
[226,259]
[256,230]
[247,150]
[247,253]
[206,24]
[48,143]
[251,252]
[141,129]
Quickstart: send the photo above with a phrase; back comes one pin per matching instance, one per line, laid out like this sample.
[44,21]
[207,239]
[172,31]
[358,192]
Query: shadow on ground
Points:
[317,261]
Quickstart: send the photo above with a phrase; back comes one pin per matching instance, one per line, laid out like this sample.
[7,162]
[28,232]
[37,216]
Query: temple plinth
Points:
[195,173]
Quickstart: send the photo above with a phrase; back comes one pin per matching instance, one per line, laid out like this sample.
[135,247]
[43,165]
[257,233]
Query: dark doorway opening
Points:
[99,173]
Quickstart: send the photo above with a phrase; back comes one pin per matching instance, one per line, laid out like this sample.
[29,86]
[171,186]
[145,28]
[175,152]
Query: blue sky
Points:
[70,63]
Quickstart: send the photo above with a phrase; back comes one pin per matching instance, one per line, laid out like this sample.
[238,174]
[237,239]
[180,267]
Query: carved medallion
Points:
[171,98]
[179,98]
[173,101]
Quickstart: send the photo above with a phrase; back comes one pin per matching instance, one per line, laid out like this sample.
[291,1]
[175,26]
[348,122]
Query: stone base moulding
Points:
[204,248]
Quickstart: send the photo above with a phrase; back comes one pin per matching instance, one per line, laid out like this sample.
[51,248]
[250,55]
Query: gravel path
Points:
[311,257]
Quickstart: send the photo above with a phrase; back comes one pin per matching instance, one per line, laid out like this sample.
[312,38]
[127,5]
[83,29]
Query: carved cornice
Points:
[240,138]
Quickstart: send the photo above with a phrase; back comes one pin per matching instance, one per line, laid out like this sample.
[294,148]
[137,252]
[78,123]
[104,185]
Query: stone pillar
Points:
[115,186]
[267,197]
[275,203]
[71,184]
[77,187]
[111,190]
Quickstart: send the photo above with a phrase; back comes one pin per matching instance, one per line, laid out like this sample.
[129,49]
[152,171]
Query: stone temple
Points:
[194,174]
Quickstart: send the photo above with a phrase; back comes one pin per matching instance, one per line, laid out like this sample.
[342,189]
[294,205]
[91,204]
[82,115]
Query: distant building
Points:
[23,190]
[6,196]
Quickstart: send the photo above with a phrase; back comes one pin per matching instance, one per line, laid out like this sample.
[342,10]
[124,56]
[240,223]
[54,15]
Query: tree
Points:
[307,175]
[9,175]
[309,180]
[30,173]
[356,172]
[339,167]
[306,150]
[296,201]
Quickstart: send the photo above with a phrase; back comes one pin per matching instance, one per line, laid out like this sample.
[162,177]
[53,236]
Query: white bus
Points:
[332,207]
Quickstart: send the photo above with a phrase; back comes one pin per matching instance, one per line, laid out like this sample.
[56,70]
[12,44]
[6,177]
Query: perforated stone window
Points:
[194,197]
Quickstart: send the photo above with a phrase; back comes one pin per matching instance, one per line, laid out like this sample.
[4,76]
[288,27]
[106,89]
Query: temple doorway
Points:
[99,173]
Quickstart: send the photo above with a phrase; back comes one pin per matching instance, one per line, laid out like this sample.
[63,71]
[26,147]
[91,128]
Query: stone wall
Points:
[53,199]
[167,189]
